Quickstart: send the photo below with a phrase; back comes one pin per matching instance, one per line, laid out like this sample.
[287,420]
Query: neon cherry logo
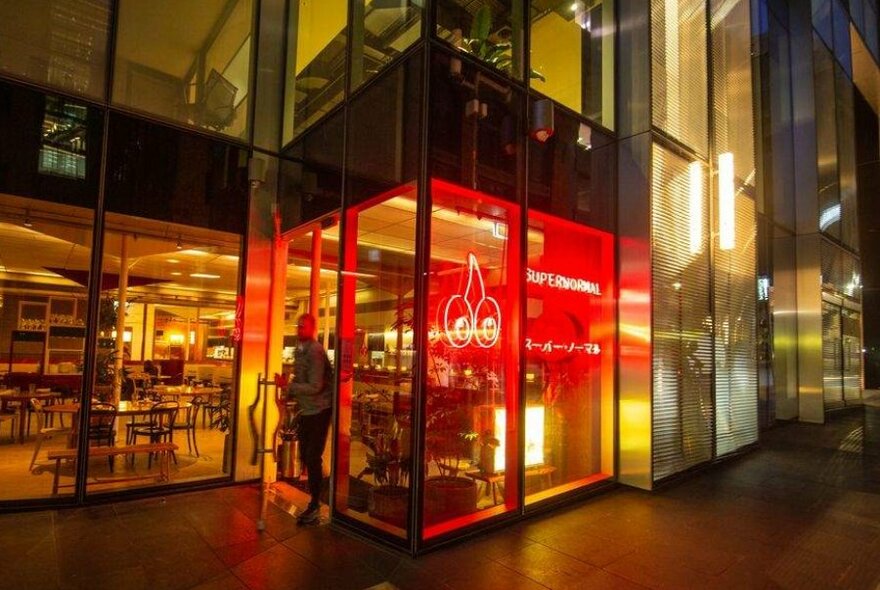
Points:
[472,317]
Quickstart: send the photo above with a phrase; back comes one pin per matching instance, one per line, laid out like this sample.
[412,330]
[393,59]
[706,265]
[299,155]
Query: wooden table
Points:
[125,408]
[23,399]
[186,390]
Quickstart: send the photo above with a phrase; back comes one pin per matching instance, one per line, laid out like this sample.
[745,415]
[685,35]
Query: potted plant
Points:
[481,44]
[390,469]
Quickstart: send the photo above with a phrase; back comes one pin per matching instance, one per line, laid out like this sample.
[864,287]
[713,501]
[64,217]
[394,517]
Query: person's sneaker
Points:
[311,515]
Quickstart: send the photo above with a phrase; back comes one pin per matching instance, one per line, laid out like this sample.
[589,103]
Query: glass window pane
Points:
[569,344]
[48,192]
[679,71]
[572,55]
[475,140]
[189,62]
[375,437]
[826,140]
[383,29]
[46,254]
[472,405]
[59,43]
[682,317]
[168,334]
[571,175]
[732,86]
[315,76]
[491,31]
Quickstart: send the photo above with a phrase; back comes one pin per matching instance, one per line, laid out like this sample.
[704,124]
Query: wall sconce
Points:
[726,202]
[695,206]
[542,126]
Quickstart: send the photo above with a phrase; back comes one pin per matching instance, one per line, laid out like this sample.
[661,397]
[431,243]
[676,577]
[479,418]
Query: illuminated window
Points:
[186,61]
[572,55]
[315,71]
[471,453]
[569,344]
[383,30]
[375,438]
[488,31]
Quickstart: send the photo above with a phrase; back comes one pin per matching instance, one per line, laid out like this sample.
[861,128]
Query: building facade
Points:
[551,246]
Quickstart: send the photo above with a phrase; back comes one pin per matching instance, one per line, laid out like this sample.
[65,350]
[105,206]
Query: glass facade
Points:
[572,56]
[547,245]
[186,62]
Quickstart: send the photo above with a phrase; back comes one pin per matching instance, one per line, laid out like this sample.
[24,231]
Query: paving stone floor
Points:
[801,512]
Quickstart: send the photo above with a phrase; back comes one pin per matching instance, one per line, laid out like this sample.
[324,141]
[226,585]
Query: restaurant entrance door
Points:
[310,288]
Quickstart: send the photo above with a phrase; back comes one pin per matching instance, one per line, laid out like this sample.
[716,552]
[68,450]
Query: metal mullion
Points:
[420,309]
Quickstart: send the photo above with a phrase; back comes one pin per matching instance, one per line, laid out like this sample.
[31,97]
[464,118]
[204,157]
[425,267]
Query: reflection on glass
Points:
[489,31]
[315,78]
[374,460]
[572,53]
[471,450]
[383,29]
[60,43]
[168,332]
[46,252]
[64,146]
[186,61]
[569,344]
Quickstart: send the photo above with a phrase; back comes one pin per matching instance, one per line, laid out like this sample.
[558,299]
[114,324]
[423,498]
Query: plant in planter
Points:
[390,469]
[481,44]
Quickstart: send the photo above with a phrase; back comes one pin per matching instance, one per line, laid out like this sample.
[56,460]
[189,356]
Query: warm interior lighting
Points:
[203,275]
[695,186]
[534,436]
[173,261]
[726,202]
[176,338]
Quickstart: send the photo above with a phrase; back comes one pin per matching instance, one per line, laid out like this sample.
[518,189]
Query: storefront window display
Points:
[471,452]
[375,435]
[569,352]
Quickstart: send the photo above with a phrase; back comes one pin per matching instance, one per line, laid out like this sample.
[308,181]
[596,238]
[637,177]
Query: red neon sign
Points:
[472,317]
[237,330]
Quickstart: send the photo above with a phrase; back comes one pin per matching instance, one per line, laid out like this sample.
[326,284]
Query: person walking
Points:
[311,387]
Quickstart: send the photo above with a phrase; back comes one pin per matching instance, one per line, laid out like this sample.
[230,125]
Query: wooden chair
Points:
[189,425]
[102,429]
[44,431]
[160,426]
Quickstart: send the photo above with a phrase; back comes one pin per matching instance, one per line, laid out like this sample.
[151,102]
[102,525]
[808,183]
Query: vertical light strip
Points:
[695,206]
[726,201]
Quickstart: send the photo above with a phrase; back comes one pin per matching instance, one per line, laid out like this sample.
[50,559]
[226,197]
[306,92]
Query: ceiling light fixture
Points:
[202,275]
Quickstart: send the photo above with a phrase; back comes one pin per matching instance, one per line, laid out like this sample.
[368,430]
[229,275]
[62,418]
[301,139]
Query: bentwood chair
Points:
[102,427]
[189,424]
[44,431]
[159,427]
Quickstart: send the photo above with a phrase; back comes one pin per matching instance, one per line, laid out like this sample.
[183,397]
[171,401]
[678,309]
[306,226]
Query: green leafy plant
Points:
[481,44]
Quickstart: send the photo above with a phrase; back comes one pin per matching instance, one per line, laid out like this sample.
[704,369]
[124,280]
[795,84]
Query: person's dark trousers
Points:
[312,439]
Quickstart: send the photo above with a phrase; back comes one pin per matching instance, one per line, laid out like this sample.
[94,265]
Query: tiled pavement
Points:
[802,512]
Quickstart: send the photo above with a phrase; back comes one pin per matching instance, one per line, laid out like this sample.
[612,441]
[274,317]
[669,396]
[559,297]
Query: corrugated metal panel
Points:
[682,354]
[679,71]
[736,370]
[852,355]
[832,356]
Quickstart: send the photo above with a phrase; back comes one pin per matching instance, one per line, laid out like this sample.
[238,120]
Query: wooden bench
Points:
[164,450]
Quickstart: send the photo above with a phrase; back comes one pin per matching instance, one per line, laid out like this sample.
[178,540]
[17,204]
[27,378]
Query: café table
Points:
[23,398]
[186,391]
[124,408]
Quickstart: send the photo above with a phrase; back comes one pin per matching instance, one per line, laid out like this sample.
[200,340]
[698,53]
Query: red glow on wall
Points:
[471,316]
